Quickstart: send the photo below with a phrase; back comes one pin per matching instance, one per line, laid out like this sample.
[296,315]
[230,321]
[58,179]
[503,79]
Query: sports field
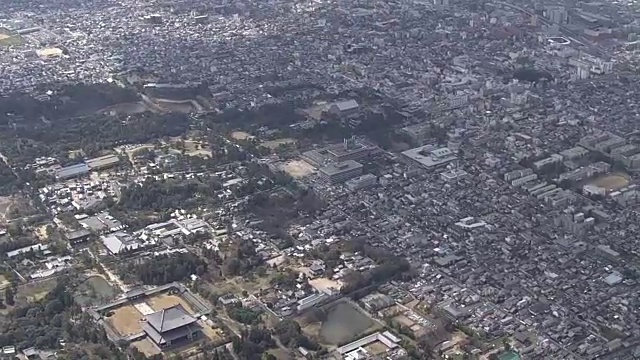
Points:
[297,168]
[612,182]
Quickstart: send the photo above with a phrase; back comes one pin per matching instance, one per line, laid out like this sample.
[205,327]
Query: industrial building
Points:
[429,156]
[72,171]
[340,172]
[171,325]
[81,169]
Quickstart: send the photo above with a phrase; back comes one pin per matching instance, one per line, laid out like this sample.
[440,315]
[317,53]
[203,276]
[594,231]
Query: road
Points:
[112,277]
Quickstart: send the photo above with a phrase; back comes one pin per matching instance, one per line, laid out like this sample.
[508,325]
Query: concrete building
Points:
[574,153]
[340,172]
[429,156]
[454,175]
[170,326]
[557,14]
[523,180]
[361,182]
[553,159]
[512,175]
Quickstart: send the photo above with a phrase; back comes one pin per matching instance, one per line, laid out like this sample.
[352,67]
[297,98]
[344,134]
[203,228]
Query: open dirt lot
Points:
[3,282]
[376,348]
[126,320]
[403,320]
[322,284]
[4,36]
[298,168]
[163,301]
[611,182]
[241,135]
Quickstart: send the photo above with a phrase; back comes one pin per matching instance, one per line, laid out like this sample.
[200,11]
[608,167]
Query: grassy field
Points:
[35,291]
[94,290]
[273,144]
[7,38]
[344,323]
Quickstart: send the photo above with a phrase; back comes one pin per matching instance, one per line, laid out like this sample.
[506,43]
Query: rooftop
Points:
[340,167]
[430,156]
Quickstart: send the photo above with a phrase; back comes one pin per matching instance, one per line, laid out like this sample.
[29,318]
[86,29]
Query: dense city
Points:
[319,179]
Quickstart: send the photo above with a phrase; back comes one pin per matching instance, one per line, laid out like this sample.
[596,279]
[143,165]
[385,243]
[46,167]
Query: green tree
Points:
[9,296]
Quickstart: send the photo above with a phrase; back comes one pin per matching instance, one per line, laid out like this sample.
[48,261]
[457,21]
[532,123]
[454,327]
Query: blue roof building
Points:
[72,171]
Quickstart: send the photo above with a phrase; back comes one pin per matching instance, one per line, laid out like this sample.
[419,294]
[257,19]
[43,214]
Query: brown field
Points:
[403,320]
[163,301]
[611,182]
[125,320]
[322,284]
[35,291]
[241,135]
[214,335]
[376,348]
[297,168]
[273,144]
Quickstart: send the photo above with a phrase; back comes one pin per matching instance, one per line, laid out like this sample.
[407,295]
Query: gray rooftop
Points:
[340,167]
[430,156]
[102,161]
[72,171]
[170,319]
[347,105]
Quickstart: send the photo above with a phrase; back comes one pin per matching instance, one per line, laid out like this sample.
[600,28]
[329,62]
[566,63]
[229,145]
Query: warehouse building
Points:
[73,171]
